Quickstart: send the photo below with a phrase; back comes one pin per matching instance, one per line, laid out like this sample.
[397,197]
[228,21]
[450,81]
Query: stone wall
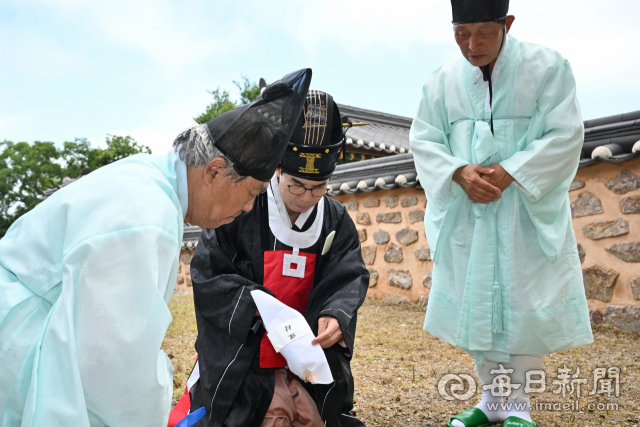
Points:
[184,271]
[605,205]
[394,247]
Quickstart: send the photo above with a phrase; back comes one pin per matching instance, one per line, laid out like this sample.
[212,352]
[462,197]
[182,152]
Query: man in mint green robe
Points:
[86,276]
[507,279]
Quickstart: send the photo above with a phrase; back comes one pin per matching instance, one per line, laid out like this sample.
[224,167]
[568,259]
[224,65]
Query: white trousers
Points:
[519,363]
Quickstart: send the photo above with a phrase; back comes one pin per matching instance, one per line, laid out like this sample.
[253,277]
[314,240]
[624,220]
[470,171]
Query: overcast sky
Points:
[87,68]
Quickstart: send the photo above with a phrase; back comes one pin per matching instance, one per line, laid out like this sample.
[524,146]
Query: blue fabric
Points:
[507,278]
[192,418]
[85,279]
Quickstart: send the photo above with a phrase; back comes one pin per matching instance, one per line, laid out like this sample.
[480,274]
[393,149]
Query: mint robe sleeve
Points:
[109,323]
[434,160]
[554,139]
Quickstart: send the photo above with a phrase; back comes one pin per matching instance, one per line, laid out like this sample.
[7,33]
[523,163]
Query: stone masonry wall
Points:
[184,271]
[605,206]
[394,246]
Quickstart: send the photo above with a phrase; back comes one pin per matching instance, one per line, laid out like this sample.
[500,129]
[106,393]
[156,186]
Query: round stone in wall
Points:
[373,277]
[351,206]
[602,229]
[362,235]
[363,218]
[389,218]
[426,282]
[581,253]
[416,216]
[372,203]
[576,184]
[393,253]
[624,182]
[368,254]
[598,283]
[400,278]
[629,252]
[391,201]
[423,253]
[624,317]
[185,258]
[407,236]
[631,204]
[423,301]
[409,201]
[635,288]
[585,204]
[380,237]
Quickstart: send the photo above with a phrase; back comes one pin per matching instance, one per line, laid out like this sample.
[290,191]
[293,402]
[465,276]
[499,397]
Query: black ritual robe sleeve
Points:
[342,280]
[229,334]
[227,265]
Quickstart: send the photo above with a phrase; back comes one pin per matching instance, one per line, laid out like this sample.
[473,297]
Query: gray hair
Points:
[195,148]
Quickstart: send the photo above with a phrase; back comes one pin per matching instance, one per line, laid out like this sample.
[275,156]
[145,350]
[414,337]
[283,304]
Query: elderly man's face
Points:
[218,200]
[480,42]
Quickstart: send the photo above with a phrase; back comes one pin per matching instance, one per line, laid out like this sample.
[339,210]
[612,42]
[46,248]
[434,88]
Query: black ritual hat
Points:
[317,140]
[255,135]
[472,11]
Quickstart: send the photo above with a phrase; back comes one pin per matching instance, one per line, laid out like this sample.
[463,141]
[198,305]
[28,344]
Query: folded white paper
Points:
[291,336]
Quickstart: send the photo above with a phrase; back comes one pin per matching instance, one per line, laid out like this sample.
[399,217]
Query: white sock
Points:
[519,407]
[492,406]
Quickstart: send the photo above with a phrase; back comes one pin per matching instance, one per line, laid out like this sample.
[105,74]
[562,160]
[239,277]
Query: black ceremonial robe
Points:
[226,267]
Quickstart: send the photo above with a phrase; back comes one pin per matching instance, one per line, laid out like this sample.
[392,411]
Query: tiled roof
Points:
[385,173]
[190,236]
[385,133]
[611,139]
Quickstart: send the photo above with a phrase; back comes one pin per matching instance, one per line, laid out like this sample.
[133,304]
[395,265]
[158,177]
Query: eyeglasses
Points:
[299,190]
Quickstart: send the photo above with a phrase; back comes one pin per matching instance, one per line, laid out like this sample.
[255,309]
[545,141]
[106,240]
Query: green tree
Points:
[249,92]
[27,170]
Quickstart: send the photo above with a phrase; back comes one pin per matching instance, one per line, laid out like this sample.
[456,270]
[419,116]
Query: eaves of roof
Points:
[612,139]
[386,133]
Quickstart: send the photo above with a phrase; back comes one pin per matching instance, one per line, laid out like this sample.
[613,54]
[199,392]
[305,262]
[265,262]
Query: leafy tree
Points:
[249,92]
[26,170]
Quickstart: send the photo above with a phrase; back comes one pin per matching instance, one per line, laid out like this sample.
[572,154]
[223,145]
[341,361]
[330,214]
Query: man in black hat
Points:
[86,276]
[496,142]
[303,248]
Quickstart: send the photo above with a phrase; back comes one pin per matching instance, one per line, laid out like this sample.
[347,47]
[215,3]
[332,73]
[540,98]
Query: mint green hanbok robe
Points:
[85,279]
[507,277]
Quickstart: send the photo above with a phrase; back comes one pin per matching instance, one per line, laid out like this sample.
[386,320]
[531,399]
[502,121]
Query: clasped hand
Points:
[483,184]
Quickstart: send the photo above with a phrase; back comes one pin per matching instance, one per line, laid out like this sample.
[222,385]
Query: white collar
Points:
[181,178]
[282,208]
[494,74]
[280,224]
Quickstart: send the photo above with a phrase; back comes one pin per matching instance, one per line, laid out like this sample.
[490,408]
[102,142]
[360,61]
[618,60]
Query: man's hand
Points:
[474,181]
[499,178]
[329,332]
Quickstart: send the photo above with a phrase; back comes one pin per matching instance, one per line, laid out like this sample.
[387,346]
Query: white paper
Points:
[306,360]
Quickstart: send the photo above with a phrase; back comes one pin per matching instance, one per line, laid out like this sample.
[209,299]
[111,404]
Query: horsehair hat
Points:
[473,11]
[317,140]
[255,136]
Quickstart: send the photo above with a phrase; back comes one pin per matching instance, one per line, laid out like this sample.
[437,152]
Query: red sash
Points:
[292,291]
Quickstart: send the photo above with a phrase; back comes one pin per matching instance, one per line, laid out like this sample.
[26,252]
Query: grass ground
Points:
[397,367]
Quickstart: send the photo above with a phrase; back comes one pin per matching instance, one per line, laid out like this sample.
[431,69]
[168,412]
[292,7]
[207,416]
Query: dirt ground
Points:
[397,368]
